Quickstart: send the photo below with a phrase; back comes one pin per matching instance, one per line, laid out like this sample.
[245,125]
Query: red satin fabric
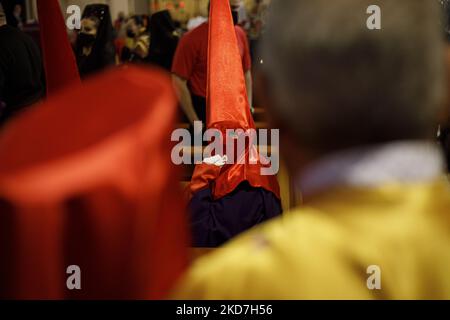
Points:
[228,106]
[86,179]
[204,175]
[59,60]
[226,92]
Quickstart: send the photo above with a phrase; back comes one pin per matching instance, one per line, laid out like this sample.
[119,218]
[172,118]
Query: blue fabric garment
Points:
[214,222]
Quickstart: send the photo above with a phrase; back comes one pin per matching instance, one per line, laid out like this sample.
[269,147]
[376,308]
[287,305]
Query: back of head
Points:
[336,84]
[161,23]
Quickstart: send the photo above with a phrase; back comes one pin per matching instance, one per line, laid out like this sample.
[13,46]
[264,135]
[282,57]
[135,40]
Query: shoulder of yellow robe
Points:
[324,250]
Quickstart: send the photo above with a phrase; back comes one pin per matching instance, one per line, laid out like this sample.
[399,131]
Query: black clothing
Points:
[103,53]
[445,143]
[164,40]
[199,104]
[128,56]
[214,222]
[21,72]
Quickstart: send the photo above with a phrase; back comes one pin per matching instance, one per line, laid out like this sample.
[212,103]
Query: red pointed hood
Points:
[228,108]
[87,179]
[59,60]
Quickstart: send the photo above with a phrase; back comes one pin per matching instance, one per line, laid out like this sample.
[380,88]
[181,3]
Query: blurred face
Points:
[132,28]
[88,33]
[89,26]
[17,10]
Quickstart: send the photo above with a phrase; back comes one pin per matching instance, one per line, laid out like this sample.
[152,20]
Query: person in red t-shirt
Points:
[189,69]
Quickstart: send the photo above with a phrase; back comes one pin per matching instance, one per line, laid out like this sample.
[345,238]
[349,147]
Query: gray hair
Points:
[337,84]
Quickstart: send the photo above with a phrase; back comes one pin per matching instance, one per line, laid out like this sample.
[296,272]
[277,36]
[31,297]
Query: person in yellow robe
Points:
[357,110]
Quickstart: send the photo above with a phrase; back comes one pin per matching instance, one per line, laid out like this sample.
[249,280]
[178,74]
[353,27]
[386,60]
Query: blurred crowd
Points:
[152,39]
[130,39]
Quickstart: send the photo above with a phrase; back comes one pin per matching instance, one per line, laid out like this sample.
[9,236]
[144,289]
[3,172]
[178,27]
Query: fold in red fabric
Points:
[228,107]
[86,179]
[59,60]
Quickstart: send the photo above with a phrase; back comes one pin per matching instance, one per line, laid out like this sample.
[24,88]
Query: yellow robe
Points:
[323,249]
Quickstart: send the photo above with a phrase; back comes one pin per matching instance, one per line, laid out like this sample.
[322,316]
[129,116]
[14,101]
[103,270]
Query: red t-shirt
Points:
[190,61]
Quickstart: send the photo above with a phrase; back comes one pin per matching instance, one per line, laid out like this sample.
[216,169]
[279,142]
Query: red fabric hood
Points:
[228,108]
[59,60]
[86,179]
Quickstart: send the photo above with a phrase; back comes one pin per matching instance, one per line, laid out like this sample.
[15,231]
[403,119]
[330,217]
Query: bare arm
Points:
[184,96]
[249,85]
